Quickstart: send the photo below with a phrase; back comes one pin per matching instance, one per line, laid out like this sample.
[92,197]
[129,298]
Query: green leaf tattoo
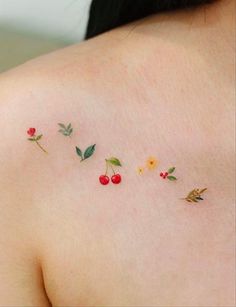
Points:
[114,161]
[38,137]
[87,154]
[89,151]
[171,170]
[65,130]
[171,178]
[79,152]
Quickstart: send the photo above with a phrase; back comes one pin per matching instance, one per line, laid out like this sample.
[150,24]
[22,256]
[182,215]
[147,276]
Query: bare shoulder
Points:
[32,98]
[21,280]
[36,161]
[80,231]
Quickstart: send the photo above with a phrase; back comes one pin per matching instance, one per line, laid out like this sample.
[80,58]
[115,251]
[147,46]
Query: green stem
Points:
[112,169]
[41,147]
[106,167]
[108,163]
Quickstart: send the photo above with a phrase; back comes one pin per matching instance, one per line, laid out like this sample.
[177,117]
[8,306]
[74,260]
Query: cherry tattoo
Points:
[104,179]
[165,175]
[116,178]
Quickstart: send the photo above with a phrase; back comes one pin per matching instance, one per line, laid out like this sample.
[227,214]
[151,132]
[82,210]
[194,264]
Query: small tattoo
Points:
[65,130]
[87,154]
[35,138]
[141,170]
[167,174]
[152,163]
[195,195]
[116,178]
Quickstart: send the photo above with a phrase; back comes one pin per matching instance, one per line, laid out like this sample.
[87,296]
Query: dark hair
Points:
[108,14]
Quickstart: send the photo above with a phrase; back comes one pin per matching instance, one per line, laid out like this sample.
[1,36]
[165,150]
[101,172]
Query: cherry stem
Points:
[106,167]
[112,169]
[109,164]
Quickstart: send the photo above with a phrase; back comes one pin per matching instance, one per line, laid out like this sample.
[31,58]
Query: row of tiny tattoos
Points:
[65,130]
[151,164]
[113,163]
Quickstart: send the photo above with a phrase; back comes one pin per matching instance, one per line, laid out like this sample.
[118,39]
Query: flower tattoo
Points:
[151,164]
[140,170]
[116,178]
[35,138]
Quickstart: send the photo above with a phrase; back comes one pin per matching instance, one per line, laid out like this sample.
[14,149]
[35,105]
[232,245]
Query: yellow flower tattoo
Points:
[140,170]
[152,163]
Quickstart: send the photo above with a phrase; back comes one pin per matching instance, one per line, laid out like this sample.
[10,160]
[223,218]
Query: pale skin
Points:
[162,87]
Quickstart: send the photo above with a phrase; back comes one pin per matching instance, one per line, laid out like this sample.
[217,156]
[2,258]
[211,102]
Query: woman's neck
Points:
[208,30]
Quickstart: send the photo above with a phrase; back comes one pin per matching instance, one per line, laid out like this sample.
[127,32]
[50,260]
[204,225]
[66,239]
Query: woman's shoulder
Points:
[117,105]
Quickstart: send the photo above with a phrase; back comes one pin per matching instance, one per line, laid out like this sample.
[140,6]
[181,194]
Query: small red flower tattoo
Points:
[31,131]
[35,138]
[116,178]
[165,175]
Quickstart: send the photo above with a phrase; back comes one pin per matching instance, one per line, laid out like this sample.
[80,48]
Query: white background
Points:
[61,19]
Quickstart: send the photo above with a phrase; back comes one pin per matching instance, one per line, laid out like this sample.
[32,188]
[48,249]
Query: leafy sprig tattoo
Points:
[65,130]
[195,195]
[87,153]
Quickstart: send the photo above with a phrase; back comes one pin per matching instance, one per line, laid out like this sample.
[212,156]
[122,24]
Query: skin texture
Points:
[163,86]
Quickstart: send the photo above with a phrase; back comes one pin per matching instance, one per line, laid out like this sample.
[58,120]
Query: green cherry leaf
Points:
[171,170]
[114,161]
[79,152]
[68,127]
[89,151]
[31,139]
[172,178]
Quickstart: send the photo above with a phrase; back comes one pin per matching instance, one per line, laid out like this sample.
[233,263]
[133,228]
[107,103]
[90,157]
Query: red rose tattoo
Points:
[35,138]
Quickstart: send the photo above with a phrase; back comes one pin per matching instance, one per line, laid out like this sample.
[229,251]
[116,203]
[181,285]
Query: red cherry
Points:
[166,174]
[161,174]
[116,179]
[104,180]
